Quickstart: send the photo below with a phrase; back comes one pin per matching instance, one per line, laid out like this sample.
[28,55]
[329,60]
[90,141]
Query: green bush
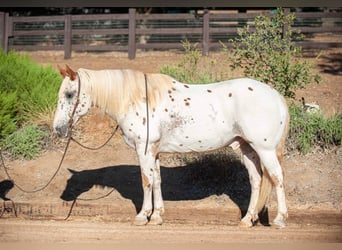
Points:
[269,54]
[28,95]
[308,130]
[26,142]
[7,113]
[27,91]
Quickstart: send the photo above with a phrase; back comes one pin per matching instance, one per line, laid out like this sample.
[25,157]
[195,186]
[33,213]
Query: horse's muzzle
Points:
[61,131]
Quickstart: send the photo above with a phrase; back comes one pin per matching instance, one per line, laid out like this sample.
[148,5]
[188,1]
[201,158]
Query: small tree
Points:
[270,55]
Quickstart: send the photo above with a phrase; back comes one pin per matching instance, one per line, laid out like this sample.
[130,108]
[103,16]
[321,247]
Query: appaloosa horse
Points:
[157,113]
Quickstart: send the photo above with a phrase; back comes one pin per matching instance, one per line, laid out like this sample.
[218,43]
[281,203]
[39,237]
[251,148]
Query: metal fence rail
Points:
[132,31]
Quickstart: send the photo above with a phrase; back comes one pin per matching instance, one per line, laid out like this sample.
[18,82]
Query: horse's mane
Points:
[114,91]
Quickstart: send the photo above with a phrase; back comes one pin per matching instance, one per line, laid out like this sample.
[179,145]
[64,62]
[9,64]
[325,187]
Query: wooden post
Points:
[7,31]
[285,27]
[131,33]
[67,37]
[205,33]
[2,30]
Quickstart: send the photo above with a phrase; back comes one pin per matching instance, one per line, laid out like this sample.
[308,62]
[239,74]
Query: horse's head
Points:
[72,102]
[76,186]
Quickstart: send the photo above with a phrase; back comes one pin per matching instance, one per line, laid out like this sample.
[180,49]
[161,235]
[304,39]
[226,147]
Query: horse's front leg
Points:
[158,209]
[150,175]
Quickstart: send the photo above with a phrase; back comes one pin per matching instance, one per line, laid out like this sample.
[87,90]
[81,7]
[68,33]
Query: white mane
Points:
[114,91]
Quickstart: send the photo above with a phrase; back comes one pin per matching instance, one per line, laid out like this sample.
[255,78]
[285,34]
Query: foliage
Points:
[313,129]
[28,95]
[27,91]
[270,54]
[7,113]
[26,142]
[192,68]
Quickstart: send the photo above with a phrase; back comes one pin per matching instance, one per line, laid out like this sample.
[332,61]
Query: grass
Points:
[26,142]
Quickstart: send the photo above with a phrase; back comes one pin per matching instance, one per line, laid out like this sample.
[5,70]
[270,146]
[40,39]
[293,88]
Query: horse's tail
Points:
[266,182]
[265,190]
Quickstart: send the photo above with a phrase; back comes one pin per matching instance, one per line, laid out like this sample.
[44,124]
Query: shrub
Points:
[32,87]
[313,129]
[192,68]
[26,142]
[7,113]
[28,95]
[270,55]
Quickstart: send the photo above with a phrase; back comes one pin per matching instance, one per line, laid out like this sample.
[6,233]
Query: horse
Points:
[158,114]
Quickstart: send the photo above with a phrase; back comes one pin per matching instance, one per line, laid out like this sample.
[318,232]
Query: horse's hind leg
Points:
[252,164]
[270,161]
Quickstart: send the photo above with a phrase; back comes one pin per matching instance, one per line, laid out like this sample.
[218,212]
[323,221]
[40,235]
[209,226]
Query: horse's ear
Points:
[72,171]
[62,71]
[70,72]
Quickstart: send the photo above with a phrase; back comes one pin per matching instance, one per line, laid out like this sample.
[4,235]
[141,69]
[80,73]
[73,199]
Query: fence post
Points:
[205,33]
[285,27]
[2,30]
[67,36]
[131,33]
[6,31]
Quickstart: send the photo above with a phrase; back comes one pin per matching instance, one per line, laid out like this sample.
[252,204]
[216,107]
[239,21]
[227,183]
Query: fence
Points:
[133,31]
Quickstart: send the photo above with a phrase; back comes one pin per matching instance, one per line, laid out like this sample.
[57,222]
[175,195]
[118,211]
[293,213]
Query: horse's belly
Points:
[194,138]
[183,146]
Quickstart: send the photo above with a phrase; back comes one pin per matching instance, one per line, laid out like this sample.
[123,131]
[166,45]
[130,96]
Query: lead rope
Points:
[70,124]
[98,147]
[47,184]
[147,114]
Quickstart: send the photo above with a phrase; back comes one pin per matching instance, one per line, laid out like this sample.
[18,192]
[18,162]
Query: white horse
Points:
[156,114]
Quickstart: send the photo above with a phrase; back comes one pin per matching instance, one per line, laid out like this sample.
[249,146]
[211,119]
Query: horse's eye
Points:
[69,95]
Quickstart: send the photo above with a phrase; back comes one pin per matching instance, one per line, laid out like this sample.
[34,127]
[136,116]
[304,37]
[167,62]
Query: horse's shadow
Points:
[197,180]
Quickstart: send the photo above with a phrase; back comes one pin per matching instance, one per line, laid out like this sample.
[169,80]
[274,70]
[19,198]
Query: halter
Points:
[147,115]
[71,120]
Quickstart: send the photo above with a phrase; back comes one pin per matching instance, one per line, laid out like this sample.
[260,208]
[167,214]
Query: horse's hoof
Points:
[139,221]
[156,220]
[279,223]
[245,224]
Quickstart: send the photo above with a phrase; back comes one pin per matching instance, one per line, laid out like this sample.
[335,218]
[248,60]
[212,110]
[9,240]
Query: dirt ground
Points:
[200,207]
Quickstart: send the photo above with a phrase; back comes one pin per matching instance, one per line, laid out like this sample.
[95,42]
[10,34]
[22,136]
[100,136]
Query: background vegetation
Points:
[28,96]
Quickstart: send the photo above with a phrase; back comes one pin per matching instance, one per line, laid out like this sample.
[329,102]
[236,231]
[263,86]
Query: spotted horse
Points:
[158,114]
